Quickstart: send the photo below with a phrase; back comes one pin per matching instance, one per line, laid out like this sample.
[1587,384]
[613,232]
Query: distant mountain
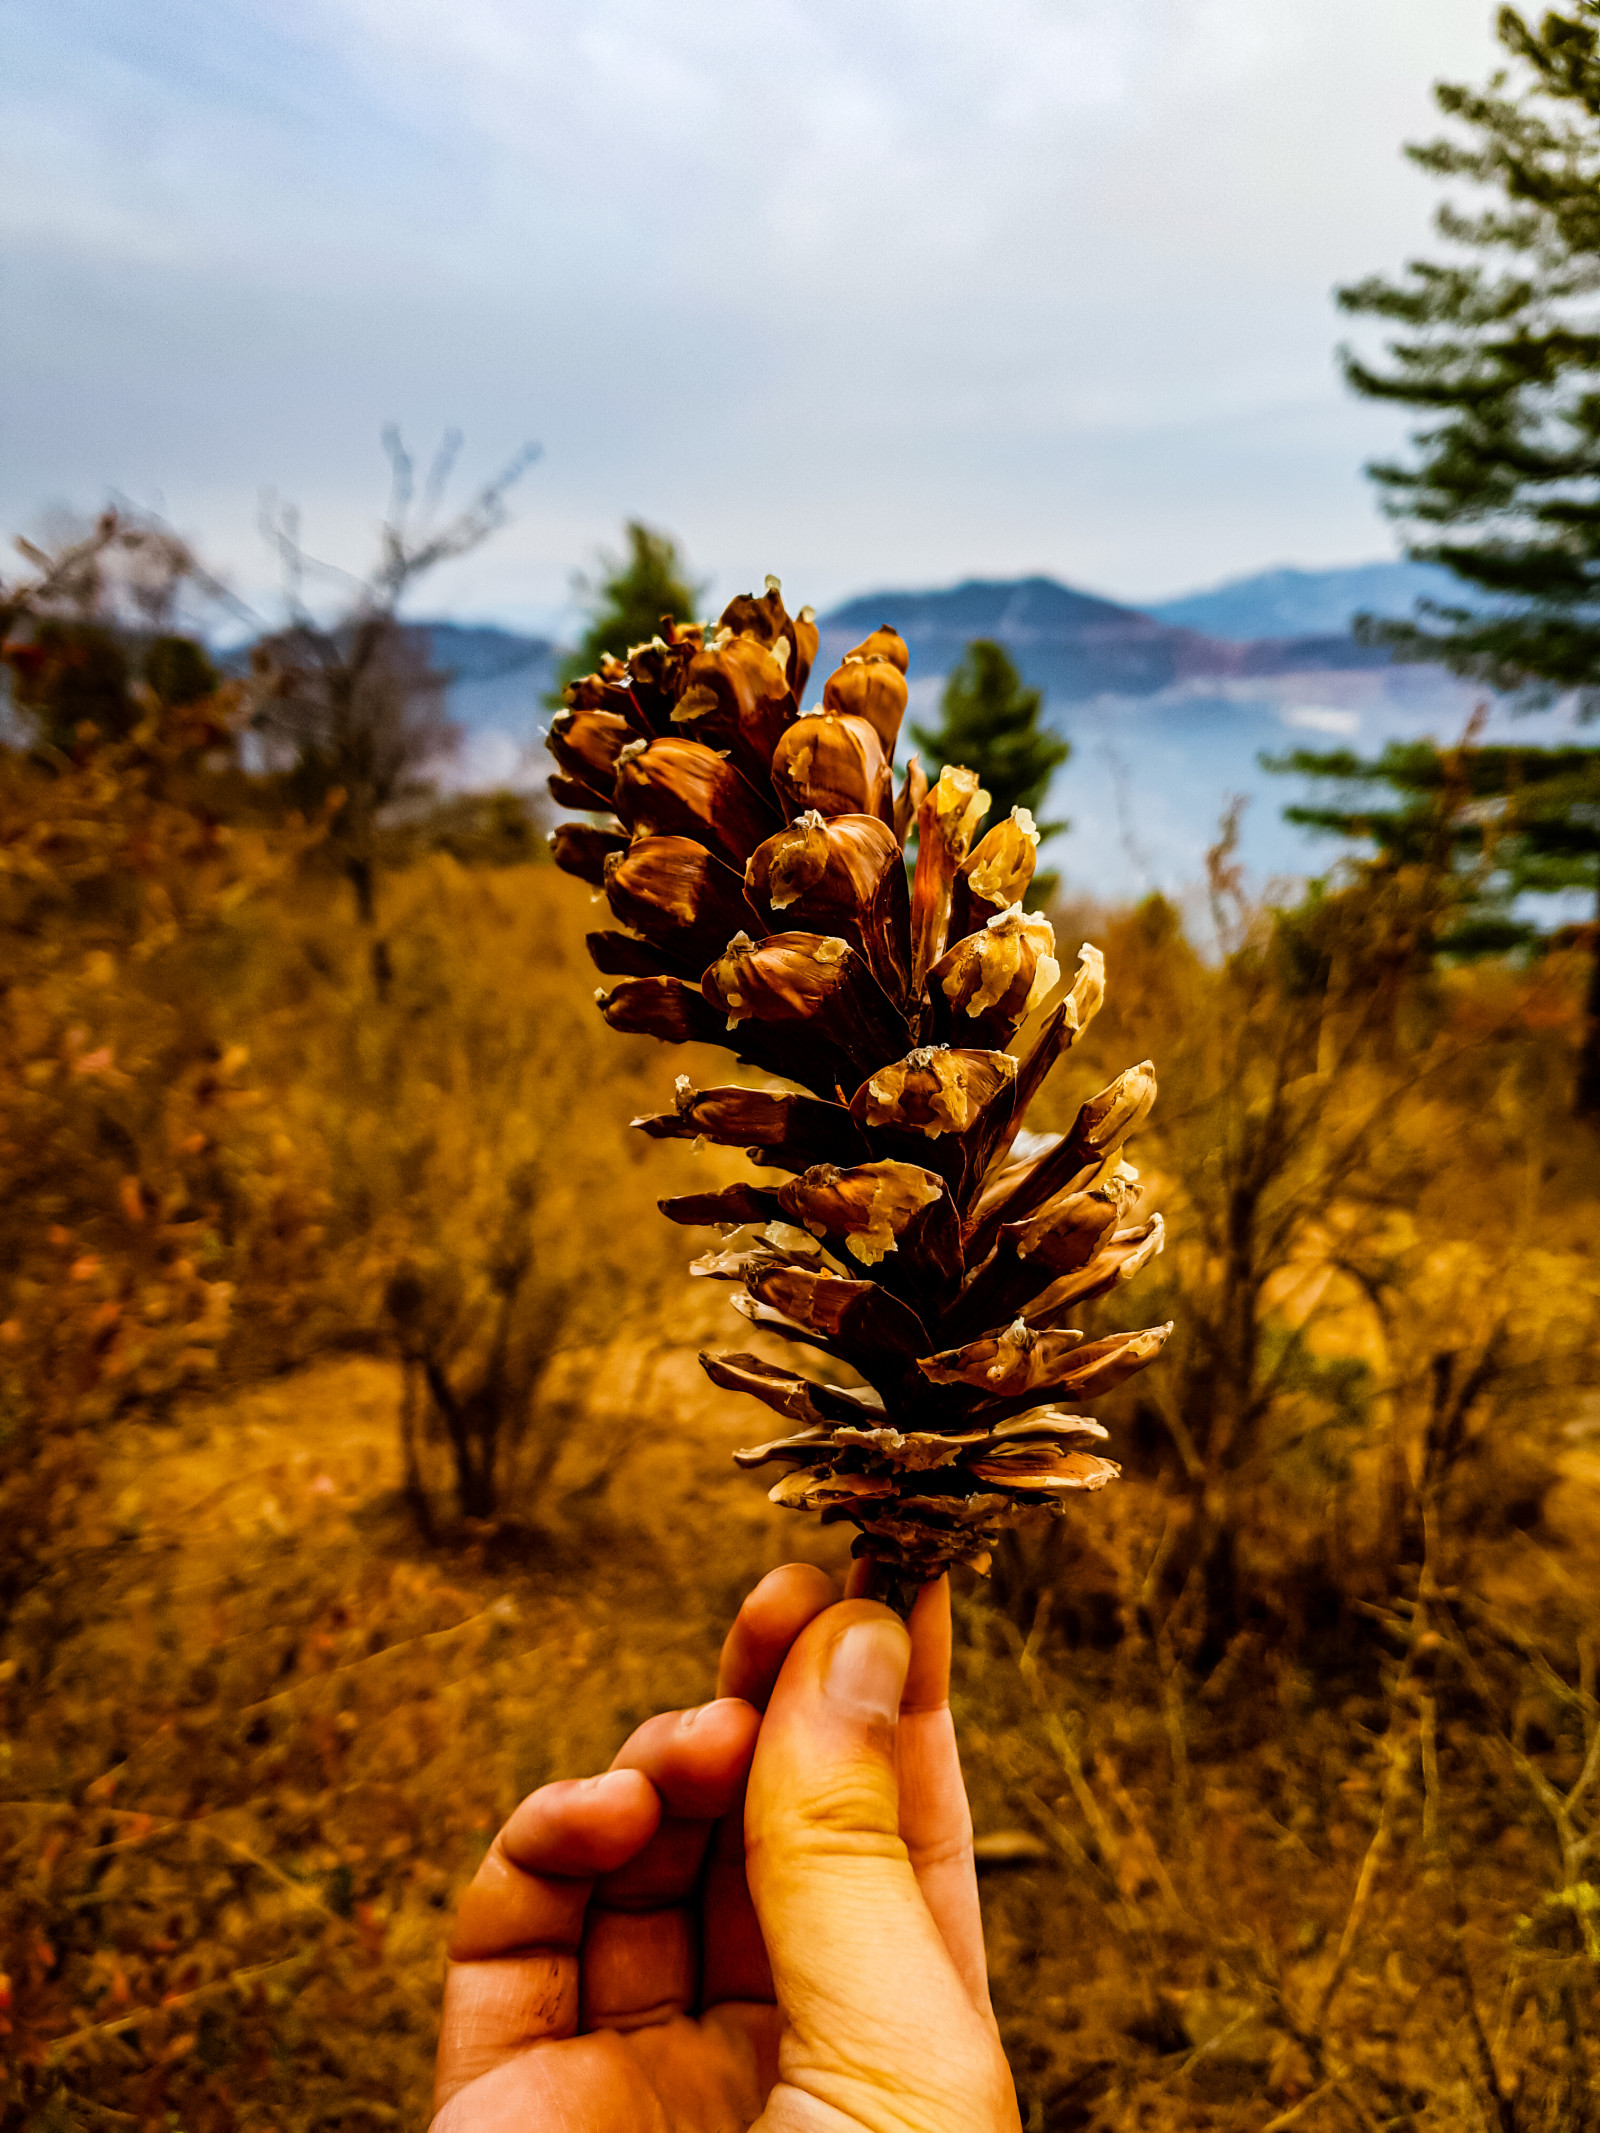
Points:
[1167,718]
[480,656]
[1070,643]
[1300,603]
[498,682]
[1073,645]
[985,607]
[1167,721]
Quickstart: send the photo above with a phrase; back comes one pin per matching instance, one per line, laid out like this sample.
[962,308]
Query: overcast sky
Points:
[866,292]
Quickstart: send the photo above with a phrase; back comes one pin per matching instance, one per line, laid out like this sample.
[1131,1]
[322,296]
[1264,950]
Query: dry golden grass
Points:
[279,1732]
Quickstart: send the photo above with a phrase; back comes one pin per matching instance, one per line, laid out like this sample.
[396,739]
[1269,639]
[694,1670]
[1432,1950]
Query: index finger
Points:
[772,1616]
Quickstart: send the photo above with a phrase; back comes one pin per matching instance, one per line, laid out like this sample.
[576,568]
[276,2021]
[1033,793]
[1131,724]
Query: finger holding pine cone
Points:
[753,857]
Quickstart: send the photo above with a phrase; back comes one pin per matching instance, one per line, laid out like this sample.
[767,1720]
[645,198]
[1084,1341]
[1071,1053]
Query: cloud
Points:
[863,289]
[1322,718]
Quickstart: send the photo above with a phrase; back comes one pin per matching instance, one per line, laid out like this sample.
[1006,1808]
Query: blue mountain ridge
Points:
[498,684]
[1300,603]
[1167,723]
[1167,711]
[1074,645]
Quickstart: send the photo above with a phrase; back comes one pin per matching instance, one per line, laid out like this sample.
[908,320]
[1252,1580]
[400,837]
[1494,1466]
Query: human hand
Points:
[610,1963]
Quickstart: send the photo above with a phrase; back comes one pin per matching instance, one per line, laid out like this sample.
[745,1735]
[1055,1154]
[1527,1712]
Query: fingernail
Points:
[606,1781]
[687,1718]
[866,1670]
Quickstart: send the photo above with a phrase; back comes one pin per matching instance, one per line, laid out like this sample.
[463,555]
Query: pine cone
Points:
[753,856]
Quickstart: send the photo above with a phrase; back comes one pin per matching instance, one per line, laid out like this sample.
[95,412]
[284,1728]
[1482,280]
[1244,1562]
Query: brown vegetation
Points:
[356,1475]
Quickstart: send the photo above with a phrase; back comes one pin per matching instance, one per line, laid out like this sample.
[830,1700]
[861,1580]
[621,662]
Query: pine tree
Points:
[1502,355]
[1433,814]
[1478,829]
[990,722]
[629,601]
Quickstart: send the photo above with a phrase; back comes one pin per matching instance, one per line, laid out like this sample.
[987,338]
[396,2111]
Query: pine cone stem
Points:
[892,1585]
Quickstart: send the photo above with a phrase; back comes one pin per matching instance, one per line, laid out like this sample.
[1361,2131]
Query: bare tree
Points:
[127,569]
[109,628]
[356,703]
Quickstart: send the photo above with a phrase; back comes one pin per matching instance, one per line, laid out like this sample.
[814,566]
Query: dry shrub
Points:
[1307,1719]
[144,1177]
[489,1208]
[1314,1167]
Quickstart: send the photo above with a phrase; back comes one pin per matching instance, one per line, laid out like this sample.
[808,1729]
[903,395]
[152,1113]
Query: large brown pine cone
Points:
[753,857]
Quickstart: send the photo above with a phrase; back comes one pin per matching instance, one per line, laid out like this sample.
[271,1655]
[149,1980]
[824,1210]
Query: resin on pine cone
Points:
[753,856]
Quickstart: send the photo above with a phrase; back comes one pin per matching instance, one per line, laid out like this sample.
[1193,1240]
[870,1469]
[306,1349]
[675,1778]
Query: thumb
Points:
[877,2023]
